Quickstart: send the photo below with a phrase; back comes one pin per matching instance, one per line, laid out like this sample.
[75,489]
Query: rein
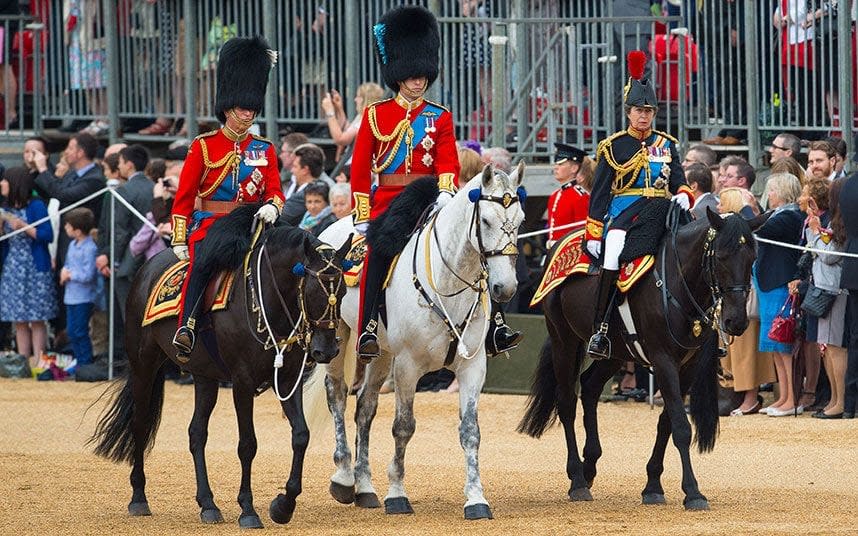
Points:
[479,285]
[708,318]
[302,328]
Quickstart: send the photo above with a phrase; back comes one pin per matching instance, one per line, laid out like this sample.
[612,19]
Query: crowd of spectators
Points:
[807,208]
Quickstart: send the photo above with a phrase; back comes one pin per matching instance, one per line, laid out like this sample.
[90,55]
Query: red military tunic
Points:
[568,204]
[397,139]
[218,169]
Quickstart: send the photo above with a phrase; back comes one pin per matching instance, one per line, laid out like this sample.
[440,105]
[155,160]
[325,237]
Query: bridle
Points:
[708,318]
[304,327]
[508,227]
[480,284]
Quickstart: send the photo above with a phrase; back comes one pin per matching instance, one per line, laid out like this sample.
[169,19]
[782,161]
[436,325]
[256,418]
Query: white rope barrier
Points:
[806,248]
[76,204]
[759,239]
[581,223]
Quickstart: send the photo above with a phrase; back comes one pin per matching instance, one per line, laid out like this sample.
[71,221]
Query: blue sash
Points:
[227,191]
[620,203]
[419,127]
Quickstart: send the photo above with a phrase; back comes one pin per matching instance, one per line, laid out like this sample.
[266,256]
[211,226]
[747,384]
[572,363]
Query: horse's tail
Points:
[113,437]
[541,409]
[315,401]
[704,395]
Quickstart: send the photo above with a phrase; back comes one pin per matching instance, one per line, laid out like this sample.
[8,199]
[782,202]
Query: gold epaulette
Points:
[438,105]
[605,145]
[207,134]
[261,138]
[666,135]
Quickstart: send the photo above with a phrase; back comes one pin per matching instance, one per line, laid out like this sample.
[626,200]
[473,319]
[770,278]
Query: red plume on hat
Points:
[638,91]
[636,61]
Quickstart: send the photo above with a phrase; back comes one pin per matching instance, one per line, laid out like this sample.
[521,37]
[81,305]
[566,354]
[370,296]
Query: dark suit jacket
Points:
[776,265]
[138,192]
[699,208]
[849,210]
[71,189]
[294,209]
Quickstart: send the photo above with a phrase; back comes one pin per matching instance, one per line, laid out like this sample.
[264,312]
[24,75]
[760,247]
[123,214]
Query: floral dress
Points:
[26,294]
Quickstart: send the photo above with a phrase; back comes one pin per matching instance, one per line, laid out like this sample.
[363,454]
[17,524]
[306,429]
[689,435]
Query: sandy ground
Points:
[766,476]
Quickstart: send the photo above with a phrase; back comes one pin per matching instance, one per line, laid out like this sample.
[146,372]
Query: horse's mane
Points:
[289,237]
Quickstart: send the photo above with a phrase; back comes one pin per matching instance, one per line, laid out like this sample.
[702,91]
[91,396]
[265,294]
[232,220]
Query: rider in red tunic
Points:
[569,203]
[225,168]
[400,140]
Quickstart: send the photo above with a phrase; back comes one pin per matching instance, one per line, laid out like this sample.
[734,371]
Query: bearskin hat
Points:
[638,90]
[407,42]
[242,74]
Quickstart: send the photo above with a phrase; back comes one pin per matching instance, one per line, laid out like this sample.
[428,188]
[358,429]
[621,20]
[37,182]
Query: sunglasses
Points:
[779,147]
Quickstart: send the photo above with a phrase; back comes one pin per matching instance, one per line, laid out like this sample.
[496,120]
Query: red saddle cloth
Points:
[568,259]
[165,298]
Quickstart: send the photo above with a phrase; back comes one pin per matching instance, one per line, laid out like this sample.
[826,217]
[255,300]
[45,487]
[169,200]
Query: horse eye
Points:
[485,222]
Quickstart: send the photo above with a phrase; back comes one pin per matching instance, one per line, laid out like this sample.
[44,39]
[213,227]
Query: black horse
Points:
[301,283]
[697,269]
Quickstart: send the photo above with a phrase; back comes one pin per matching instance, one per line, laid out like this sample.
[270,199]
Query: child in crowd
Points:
[318,215]
[80,278]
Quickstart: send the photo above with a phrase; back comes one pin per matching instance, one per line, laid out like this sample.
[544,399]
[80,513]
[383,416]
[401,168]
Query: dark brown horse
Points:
[697,268]
[300,281]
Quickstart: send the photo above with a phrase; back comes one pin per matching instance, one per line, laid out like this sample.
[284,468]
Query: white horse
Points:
[438,292]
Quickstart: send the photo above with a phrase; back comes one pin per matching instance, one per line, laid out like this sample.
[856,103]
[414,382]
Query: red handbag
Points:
[783,325]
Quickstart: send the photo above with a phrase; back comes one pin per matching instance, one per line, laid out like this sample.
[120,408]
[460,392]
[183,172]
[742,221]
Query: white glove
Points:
[362,227]
[595,248]
[681,200]
[181,251]
[267,213]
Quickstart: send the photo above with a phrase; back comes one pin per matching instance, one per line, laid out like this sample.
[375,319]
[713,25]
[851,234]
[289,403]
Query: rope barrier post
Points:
[111,184]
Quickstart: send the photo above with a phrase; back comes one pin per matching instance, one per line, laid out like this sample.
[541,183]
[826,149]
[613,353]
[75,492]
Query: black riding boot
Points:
[599,346]
[376,270]
[185,336]
[500,338]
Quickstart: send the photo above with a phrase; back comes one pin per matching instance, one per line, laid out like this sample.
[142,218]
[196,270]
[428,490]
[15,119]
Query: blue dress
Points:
[770,304]
[26,294]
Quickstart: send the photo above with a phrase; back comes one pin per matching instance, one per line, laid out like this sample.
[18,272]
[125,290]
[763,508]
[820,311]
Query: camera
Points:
[167,182]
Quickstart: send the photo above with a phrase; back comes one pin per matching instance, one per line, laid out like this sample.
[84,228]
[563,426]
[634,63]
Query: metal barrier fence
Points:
[518,73]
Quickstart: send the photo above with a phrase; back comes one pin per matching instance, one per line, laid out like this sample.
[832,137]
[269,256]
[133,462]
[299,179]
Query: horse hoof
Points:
[211,516]
[139,509]
[249,521]
[281,509]
[697,505]
[653,498]
[397,505]
[478,511]
[580,494]
[342,494]
[367,500]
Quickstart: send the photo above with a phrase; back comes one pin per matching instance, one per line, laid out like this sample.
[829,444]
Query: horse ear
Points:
[344,249]
[519,174]
[715,219]
[758,222]
[309,250]
[488,175]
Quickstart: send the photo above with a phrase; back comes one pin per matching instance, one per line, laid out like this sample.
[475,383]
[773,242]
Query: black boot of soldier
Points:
[376,270]
[599,346]
[185,336]
[500,338]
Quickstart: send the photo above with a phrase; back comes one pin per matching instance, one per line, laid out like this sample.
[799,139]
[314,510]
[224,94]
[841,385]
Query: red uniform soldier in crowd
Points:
[400,139]
[569,203]
[225,168]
